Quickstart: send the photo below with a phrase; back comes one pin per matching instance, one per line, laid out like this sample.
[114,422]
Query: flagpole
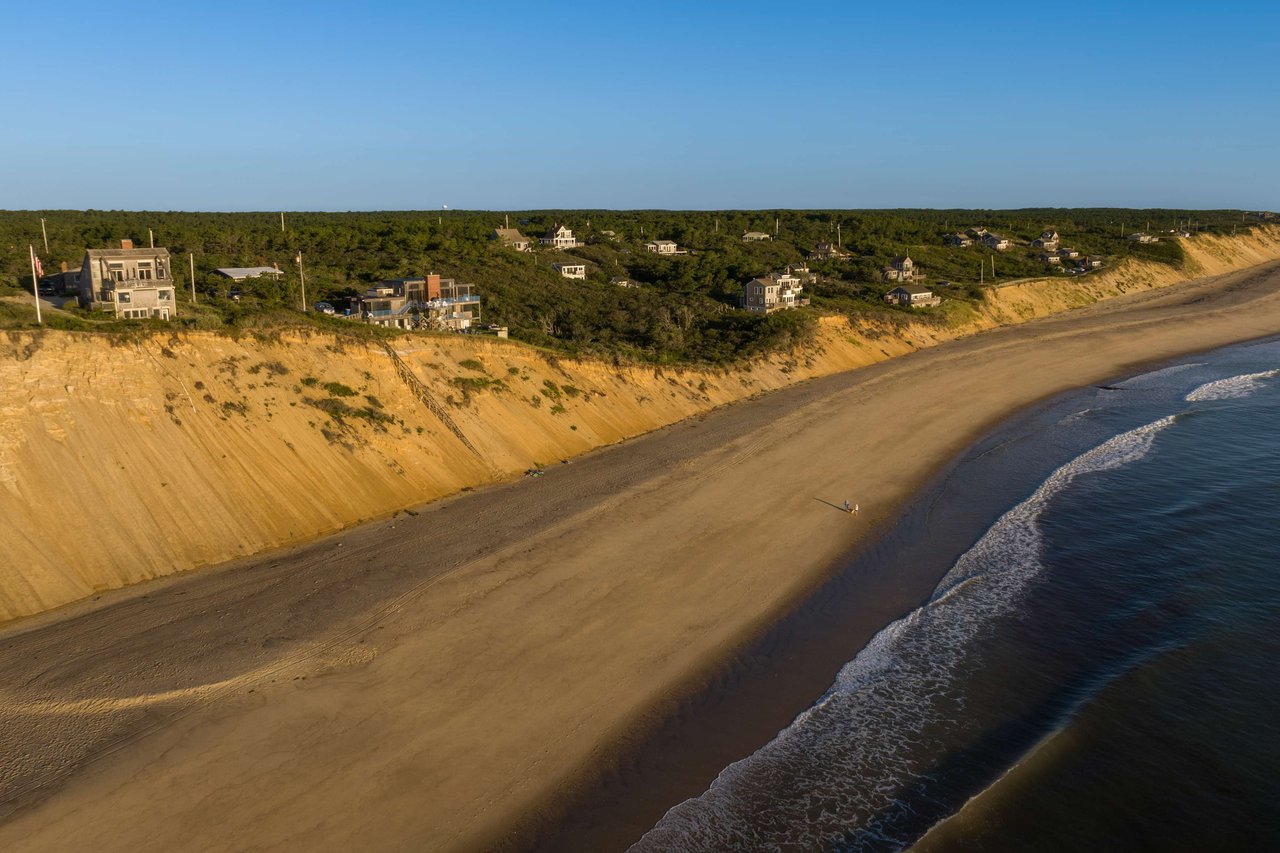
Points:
[35,285]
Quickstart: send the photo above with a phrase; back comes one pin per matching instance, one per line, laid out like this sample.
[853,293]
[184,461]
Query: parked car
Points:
[46,288]
[325,308]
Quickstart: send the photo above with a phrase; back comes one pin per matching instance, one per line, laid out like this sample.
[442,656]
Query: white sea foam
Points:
[833,778]
[1231,387]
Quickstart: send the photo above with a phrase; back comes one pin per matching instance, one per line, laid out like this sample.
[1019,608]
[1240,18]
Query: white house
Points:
[571,270]
[995,241]
[755,237]
[661,247]
[560,237]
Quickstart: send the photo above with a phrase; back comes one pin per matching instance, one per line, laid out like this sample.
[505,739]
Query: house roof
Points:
[755,234]
[509,234]
[246,272]
[144,252]
[912,289]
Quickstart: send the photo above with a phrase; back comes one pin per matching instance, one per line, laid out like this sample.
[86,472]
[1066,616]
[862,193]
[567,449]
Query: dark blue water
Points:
[1097,668]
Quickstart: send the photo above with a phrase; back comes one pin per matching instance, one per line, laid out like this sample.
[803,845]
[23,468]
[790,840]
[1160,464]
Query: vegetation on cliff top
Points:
[684,309]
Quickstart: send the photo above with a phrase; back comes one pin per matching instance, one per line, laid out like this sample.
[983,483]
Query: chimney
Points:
[433,285]
[126,244]
[64,266]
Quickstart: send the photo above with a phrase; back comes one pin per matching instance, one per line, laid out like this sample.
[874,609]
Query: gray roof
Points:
[912,289]
[144,252]
[239,273]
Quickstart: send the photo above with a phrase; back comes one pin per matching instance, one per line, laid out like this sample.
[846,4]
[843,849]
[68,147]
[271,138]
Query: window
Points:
[116,272]
[160,271]
[124,296]
[166,295]
[144,273]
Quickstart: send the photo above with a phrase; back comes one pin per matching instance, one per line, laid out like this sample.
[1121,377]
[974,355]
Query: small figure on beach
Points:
[846,507]
[855,509]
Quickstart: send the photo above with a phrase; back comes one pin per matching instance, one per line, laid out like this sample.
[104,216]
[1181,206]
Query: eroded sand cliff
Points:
[123,461]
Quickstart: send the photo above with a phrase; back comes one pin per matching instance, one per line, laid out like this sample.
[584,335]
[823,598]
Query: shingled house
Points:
[825,251]
[902,269]
[512,239]
[773,292]
[1048,240]
[130,283]
[912,296]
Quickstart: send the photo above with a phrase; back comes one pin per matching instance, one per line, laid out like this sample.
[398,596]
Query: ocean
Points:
[1095,669]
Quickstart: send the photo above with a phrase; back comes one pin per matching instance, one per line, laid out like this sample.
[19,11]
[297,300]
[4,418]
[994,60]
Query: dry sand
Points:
[433,681]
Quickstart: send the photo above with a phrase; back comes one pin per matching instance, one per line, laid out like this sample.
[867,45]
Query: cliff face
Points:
[121,462]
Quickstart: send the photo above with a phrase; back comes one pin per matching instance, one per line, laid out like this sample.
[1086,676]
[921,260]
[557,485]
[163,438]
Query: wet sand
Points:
[457,678]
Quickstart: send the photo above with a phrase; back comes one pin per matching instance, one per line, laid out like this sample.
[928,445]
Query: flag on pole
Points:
[39,267]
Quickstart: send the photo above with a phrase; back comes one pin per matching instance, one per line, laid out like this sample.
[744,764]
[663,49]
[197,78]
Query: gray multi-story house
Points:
[773,292]
[131,283]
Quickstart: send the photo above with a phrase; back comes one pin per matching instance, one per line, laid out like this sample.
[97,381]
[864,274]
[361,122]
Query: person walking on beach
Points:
[846,507]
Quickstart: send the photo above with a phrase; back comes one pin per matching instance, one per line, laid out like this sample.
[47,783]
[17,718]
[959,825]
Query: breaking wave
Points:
[853,771]
[1231,387]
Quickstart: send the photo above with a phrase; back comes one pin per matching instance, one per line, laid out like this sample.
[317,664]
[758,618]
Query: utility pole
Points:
[151,238]
[282,222]
[302,278]
[35,285]
[982,273]
[191,256]
[839,239]
[45,235]
[993,267]
[776,226]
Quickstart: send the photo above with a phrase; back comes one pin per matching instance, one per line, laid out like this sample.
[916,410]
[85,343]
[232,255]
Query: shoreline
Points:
[785,671]
[581,648]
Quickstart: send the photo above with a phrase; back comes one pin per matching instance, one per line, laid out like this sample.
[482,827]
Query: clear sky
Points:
[497,105]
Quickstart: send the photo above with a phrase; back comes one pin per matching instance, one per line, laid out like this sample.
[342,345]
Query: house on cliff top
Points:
[912,296]
[132,284]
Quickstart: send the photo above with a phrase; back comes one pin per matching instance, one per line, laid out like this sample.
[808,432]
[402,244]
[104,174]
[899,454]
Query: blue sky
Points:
[496,105]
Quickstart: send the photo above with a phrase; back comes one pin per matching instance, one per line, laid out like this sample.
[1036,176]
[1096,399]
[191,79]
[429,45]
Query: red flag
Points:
[39,267]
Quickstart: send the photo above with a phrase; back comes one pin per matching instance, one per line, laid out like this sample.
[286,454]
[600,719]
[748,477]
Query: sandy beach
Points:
[454,678]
